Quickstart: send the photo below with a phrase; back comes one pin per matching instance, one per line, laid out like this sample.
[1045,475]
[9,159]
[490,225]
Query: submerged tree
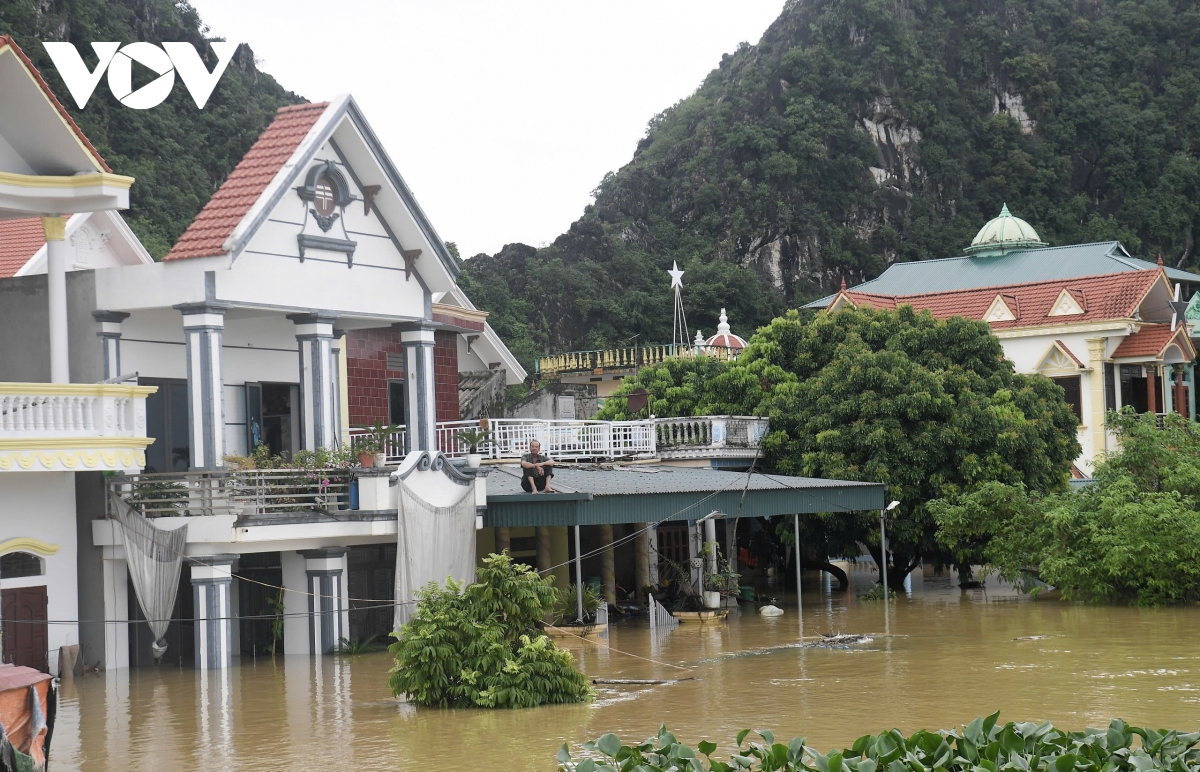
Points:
[1133,535]
[480,646]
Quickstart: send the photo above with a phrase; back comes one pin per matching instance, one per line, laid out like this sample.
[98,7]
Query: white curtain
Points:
[432,543]
[154,557]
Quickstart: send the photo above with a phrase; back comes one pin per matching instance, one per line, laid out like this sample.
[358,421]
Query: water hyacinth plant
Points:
[980,746]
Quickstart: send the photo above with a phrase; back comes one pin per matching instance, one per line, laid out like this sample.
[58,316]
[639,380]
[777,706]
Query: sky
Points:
[501,115]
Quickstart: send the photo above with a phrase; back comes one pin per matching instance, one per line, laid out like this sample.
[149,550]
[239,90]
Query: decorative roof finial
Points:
[1160,262]
[724,325]
[843,284]
[1004,210]
[699,341]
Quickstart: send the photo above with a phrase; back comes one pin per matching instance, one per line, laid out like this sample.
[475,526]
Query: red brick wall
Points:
[367,374]
[445,375]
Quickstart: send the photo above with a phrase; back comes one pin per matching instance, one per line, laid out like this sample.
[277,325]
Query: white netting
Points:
[432,544]
[154,557]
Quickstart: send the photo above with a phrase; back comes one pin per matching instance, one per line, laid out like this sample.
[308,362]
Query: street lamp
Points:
[883,546]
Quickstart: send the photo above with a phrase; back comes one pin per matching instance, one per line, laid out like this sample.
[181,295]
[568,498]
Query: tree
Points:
[929,407]
[479,646]
[677,387]
[1132,536]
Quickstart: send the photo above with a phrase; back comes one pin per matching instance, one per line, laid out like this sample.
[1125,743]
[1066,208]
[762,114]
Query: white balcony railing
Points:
[667,438]
[279,492]
[68,426]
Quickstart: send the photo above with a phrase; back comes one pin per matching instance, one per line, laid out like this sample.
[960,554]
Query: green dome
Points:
[1004,234]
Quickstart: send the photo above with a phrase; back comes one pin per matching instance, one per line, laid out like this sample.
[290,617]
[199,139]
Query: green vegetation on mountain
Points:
[861,132]
[929,407]
[179,155]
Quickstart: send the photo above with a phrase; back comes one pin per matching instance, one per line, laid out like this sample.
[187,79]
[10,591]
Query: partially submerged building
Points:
[1110,329]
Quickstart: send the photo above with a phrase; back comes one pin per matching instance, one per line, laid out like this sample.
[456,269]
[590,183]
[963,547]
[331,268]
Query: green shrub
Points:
[981,746]
[480,646]
[567,608]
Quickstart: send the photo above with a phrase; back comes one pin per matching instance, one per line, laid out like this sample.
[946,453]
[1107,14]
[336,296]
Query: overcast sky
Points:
[502,115]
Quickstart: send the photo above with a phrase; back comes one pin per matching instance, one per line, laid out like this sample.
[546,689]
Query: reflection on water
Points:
[950,656]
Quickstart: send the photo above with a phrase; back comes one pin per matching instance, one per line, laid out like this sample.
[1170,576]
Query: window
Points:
[15,565]
[396,406]
[1070,385]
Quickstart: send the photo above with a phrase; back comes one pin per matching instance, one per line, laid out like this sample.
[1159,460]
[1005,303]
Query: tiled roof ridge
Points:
[205,236]
[37,76]
[1143,274]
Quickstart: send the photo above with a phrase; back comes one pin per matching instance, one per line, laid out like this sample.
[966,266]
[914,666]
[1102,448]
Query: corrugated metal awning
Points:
[598,495]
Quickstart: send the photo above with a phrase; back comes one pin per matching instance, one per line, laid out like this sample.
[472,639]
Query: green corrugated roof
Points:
[654,493]
[1045,264]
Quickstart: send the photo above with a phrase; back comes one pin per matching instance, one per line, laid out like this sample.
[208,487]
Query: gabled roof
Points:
[207,234]
[19,241]
[8,44]
[1115,296]
[1030,265]
[1153,340]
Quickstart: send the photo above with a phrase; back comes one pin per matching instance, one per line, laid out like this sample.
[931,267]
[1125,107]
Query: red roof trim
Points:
[1063,347]
[37,76]
[206,235]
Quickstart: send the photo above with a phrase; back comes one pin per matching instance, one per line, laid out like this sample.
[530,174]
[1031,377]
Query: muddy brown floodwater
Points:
[950,656]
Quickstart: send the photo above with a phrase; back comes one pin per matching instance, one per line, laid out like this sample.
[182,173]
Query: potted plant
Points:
[380,433]
[474,439]
[367,447]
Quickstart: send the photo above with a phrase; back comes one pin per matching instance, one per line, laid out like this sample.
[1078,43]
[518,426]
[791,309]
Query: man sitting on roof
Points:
[536,470]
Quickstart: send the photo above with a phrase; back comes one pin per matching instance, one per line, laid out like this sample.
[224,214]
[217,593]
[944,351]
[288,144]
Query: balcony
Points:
[630,359]
[72,427]
[251,493]
[666,439]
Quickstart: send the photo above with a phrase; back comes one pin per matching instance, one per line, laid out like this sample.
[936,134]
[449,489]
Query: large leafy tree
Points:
[1132,536]
[929,407]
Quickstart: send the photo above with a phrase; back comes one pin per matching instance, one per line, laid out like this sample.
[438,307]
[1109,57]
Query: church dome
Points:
[724,338]
[1002,234]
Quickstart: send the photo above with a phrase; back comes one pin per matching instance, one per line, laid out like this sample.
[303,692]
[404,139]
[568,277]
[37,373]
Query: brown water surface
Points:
[950,656]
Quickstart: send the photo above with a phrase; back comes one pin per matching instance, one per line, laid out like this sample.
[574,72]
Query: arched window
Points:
[15,565]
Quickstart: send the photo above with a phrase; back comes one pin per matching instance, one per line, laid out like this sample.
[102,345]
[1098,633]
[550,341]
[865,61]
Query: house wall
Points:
[41,506]
[368,374]
[445,375]
[547,403]
[24,306]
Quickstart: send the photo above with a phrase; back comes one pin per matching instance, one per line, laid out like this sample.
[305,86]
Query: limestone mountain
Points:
[856,133]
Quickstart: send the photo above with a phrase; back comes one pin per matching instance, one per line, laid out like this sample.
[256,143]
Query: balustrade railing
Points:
[630,357]
[243,492]
[46,410]
[600,440]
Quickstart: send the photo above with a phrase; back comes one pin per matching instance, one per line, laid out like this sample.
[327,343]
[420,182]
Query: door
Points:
[397,405]
[26,640]
[167,423]
[254,417]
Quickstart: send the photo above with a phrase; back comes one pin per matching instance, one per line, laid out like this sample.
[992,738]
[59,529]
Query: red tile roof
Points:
[19,241]
[1151,340]
[206,235]
[37,76]
[1112,296]
[1063,348]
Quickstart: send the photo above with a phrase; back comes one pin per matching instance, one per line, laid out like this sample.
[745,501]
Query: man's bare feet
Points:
[548,489]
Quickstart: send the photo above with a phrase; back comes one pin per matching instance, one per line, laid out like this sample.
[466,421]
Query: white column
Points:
[55,229]
[318,380]
[418,340]
[203,327]
[325,572]
[116,608]
[212,580]
[110,340]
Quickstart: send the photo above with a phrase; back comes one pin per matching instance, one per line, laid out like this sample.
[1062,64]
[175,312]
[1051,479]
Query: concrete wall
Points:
[89,506]
[24,310]
[41,506]
[549,402]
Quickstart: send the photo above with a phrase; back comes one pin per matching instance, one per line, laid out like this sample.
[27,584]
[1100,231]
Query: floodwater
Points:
[941,657]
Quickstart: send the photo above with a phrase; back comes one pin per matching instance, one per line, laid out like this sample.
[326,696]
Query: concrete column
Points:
[203,327]
[325,571]
[641,559]
[1097,355]
[418,340]
[608,569]
[731,548]
[503,540]
[110,340]
[318,380]
[652,555]
[212,581]
[335,376]
[55,230]
[544,561]
[1191,376]
[116,608]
